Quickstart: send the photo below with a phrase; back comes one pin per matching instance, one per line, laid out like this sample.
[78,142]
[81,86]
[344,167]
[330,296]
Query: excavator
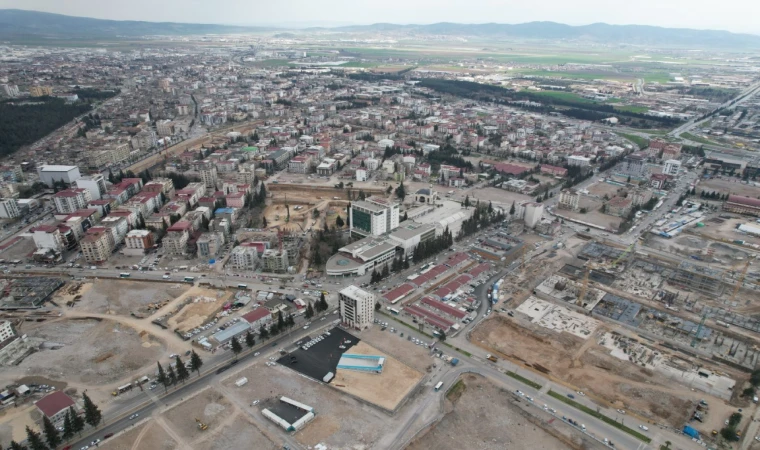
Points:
[202,426]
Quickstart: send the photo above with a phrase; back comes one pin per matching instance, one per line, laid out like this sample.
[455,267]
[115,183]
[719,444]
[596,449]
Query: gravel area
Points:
[125,297]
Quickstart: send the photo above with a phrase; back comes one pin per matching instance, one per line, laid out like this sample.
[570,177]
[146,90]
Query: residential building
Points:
[55,405]
[569,199]
[40,91]
[162,185]
[209,244]
[11,174]
[11,90]
[258,317]
[579,161]
[175,241]
[533,213]
[373,216]
[6,331]
[52,173]
[96,184]
[209,175]
[672,166]
[144,140]
[138,242]
[9,208]
[635,165]
[357,307]
[244,257]
[619,206]
[96,246]
[48,237]
[70,200]
[275,260]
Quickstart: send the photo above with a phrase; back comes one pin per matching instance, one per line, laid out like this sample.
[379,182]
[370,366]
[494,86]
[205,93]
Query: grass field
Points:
[638,140]
[633,109]
[575,75]
[696,138]
[271,63]
[600,416]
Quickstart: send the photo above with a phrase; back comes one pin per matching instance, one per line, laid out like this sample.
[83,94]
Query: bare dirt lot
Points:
[238,433]
[387,389]
[209,406]
[122,297]
[414,356]
[588,367]
[203,304]
[87,351]
[727,230]
[340,418]
[592,215]
[147,435]
[503,425]
[725,185]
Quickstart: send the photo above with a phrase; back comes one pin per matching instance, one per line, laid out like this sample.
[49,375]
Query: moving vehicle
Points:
[189,279]
[438,386]
[491,358]
[124,275]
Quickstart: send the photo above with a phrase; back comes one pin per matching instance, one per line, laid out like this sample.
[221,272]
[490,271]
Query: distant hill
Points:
[597,32]
[16,23]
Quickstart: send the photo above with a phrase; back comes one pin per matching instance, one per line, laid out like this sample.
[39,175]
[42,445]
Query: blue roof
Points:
[224,211]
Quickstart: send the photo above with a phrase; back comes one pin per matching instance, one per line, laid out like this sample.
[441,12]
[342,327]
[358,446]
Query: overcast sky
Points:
[731,15]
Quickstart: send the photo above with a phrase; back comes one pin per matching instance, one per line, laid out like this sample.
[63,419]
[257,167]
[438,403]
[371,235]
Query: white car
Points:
[255,402]
[643,427]
[134,416]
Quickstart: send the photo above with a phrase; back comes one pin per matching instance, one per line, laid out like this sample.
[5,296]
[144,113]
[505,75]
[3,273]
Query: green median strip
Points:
[600,416]
[522,379]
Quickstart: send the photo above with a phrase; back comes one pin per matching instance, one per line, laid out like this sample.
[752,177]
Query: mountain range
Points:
[20,24]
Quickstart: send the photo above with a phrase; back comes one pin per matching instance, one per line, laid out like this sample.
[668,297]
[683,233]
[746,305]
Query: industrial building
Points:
[289,414]
[52,173]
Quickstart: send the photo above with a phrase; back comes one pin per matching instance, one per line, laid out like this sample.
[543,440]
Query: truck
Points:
[721,323]
[491,358]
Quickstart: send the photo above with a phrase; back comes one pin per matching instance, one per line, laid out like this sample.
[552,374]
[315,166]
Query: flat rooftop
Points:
[322,357]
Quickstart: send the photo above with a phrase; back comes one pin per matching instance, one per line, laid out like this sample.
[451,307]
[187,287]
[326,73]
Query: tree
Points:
[339,222]
[467,201]
[162,378]
[322,302]
[406,216]
[34,440]
[171,375]
[512,209]
[442,336]
[92,414]
[263,221]
[273,330]
[51,432]
[263,332]
[401,191]
[77,421]
[195,362]
[250,341]
[280,321]
[68,426]
[16,446]
[378,306]
[182,373]
[236,347]
[309,311]
[290,321]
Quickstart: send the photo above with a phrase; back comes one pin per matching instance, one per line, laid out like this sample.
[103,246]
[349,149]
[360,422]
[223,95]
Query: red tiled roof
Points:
[443,307]
[52,404]
[395,294]
[744,201]
[256,315]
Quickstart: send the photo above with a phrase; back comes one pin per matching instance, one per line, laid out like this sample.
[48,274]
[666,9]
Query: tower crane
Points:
[622,255]
[740,280]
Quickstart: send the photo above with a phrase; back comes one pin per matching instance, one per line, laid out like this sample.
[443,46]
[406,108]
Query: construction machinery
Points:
[201,426]
[584,287]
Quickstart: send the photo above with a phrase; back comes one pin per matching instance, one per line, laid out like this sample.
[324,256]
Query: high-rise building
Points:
[373,217]
[357,307]
[96,184]
[672,166]
[69,200]
[9,208]
[40,91]
[209,175]
[11,90]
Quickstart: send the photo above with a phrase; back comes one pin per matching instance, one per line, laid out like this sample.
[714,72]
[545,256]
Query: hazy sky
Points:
[732,15]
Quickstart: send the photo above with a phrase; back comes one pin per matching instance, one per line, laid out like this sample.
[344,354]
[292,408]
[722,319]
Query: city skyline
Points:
[296,13]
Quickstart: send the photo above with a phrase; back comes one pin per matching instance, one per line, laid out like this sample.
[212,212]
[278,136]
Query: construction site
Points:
[634,319]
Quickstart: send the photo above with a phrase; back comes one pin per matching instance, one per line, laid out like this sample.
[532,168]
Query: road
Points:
[149,402]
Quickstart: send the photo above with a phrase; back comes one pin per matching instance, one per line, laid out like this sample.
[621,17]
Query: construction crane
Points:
[201,426]
[699,330]
[740,280]
[584,287]
[622,255]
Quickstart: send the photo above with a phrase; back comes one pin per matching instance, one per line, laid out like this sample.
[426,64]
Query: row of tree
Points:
[483,216]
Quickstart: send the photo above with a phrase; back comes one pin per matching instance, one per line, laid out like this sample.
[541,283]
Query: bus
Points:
[242,286]
[394,311]
[124,275]
[438,386]
[189,279]
[122,389]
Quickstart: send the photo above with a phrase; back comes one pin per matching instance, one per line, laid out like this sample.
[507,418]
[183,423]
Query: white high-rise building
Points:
[357,307]
[96,184]
[9,208]
[672,166]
